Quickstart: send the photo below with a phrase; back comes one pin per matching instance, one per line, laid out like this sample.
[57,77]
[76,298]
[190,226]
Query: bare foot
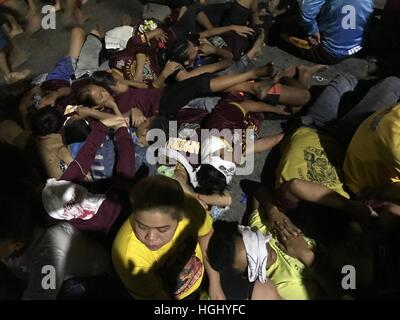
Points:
[16,31]
[267,143]
[281,110]
[305,73]
[34,23]
[289,72]
[260,89]
[308,71]
[16,76]
[126,20]
[98,31]
[268,70]
[81,18]
[258,46]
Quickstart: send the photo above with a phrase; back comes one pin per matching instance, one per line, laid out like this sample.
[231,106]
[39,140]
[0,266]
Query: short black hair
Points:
[75,131]
[221,247]
[211,181]
[84,96]
[46,121]
[104,79]
[176,51]
[158,193]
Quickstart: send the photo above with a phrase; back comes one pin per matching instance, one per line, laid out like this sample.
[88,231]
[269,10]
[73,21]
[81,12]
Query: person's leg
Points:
[257,106]
[77,39]
[247,61]
[383,95]
[88,60]
[202,19]
[222,83]
[9,76]
[187,23]
[325,108]
[66,66]
[179,94]
[264,144]
[33,17]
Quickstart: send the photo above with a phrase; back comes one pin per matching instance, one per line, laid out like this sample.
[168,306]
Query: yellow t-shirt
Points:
[373,156]
[288,274]
[312,156]
[141,269]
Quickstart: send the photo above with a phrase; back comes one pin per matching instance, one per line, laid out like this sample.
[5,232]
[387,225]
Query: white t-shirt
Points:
[71,253]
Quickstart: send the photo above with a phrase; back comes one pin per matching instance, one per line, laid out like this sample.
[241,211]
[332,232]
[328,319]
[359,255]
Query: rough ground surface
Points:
[47,46]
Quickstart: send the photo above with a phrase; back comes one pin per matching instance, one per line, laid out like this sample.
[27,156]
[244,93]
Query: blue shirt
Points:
[341,23]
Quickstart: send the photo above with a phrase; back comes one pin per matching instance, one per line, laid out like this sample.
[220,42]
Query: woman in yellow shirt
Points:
[160,251]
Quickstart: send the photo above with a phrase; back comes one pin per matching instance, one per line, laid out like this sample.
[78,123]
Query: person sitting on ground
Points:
[160,251]
[258,265]
[329,31]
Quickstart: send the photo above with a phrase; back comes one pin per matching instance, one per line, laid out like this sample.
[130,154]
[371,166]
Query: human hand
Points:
[215,292]
[242,30]
[115,122]
[315,39]
[207,48]
[294,246]
[276,216]
[162,38]
[170,68]
[137,117]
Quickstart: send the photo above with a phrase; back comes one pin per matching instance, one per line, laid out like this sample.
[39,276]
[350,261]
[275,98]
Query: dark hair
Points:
[84,96]
[75,131]
[161,123]
[176,51]
[46,121]
[221,247]
[104,79]
[211,181]
[158,193]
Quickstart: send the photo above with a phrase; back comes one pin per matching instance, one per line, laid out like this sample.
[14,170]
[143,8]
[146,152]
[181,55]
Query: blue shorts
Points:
[64,69]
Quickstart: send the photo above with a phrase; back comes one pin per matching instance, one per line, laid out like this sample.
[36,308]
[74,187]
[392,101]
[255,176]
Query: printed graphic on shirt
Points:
[128,67]
[319,169]
[182,270]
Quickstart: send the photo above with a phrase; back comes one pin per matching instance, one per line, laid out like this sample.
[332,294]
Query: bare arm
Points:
[210,68]
[140,61]
[215,289]
[240,30]
[131,83]
[300,190]
[265,291]
[224,200]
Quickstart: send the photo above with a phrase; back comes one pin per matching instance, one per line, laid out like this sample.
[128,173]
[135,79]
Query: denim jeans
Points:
[323,114]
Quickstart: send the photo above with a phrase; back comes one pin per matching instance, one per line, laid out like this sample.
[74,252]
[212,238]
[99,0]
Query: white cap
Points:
[64,200]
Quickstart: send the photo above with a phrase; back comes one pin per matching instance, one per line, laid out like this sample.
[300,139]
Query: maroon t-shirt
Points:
[125,61]
[147,100]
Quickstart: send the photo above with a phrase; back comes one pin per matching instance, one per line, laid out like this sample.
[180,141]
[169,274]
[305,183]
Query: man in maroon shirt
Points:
[66,199]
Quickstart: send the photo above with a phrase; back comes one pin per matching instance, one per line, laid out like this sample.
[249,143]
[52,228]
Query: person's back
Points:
[341,24]
[373,156]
